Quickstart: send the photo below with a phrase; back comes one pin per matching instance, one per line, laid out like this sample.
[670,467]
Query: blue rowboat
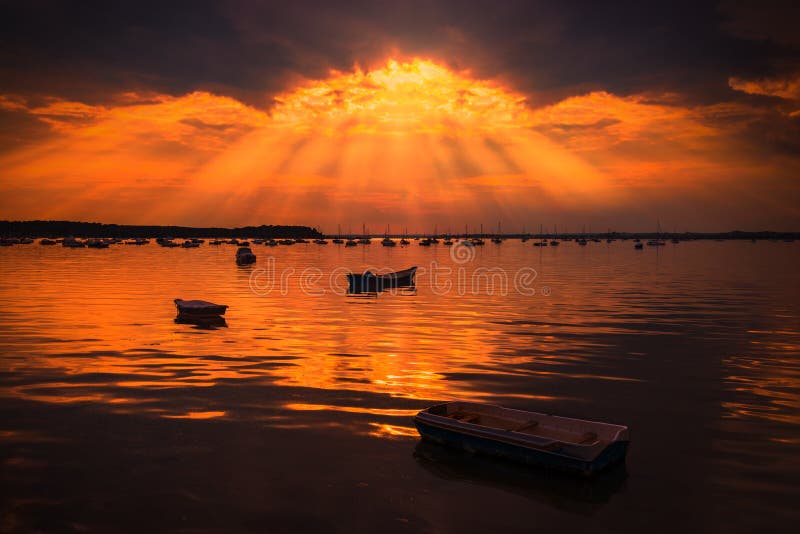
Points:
[572,445]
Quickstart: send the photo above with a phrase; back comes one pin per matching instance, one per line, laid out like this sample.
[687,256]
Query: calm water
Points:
[296,415]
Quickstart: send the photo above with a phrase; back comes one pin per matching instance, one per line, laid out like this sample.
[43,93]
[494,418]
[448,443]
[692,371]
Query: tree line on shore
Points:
[89,229]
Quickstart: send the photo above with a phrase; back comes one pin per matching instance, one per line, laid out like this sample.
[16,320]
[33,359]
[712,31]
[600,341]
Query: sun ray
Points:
[407,143]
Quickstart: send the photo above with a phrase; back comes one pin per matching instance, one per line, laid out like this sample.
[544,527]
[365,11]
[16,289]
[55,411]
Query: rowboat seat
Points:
[525,426]
[465,417]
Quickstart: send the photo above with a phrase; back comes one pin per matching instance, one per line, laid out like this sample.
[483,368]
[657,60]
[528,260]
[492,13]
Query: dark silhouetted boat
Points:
[245,256]
[638,246]
[71,242]
[338,239]
[364,240]
[555,242]
[271,243]
[320,242]
[48,242]
[199,309]
[190,244]
[369,282]
[497,239]
[572,445]
[387,241]
[657,242]
[478,241]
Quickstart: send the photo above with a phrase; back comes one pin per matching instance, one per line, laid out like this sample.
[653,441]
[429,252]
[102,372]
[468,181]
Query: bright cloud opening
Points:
[410,143]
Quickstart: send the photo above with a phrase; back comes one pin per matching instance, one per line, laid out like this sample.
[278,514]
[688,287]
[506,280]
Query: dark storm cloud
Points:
[90,51]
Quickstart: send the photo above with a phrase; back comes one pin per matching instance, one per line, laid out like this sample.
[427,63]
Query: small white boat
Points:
[573,445]
[199,308]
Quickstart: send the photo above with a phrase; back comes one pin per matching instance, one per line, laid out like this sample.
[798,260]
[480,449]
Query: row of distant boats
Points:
[168,242]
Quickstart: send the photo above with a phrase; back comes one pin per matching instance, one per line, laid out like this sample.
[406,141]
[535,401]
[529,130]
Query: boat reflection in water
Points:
[204,314]
[582,496]
[371,283]
[203,323]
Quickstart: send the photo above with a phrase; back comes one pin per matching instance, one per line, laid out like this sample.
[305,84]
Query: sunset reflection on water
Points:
[94,326]
[701,337]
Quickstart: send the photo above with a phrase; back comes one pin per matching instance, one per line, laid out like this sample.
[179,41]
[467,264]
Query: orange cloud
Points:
[787,88]
[409,143]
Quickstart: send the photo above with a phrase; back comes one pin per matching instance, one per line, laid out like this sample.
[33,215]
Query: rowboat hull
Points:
[584,460]
[372,283]
[199,309]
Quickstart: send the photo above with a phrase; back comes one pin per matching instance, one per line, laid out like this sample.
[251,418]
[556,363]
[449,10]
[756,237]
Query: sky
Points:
[409,114]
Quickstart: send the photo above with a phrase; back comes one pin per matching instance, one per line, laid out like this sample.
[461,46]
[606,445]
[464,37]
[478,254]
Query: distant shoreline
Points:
[90,229]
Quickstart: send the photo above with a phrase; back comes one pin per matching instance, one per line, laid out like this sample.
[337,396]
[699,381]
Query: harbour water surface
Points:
[296,414]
